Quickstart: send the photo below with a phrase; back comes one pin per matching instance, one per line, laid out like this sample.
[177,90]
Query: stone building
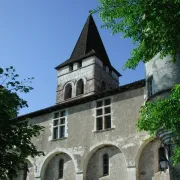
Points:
[90,133]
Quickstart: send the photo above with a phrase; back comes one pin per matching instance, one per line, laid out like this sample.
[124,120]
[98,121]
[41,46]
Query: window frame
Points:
[59,125]
[103,108]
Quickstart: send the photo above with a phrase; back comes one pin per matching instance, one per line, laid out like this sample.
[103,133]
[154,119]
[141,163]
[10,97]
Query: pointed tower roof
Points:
[89,43]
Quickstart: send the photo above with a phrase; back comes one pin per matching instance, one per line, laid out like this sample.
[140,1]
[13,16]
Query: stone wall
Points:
[83,140]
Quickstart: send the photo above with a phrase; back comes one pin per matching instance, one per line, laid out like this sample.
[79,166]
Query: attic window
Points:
[70,67]
[79,64]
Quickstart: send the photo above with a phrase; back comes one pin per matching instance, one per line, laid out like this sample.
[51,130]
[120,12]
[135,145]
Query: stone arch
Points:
[68,91]
[95,149]
[50,156]
[147,158]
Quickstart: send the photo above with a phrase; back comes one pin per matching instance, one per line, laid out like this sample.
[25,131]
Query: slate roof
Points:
[75,102]
[89,44]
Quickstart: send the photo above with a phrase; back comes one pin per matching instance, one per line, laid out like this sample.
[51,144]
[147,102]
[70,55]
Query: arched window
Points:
[68,91]
[103,86]
[80,87]
[61,168]
[105,164]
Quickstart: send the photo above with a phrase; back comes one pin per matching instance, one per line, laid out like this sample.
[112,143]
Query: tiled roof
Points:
[89,44]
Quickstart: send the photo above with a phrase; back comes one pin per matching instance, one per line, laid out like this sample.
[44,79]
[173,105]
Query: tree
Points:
[154,26]
[15,137]
[163,114]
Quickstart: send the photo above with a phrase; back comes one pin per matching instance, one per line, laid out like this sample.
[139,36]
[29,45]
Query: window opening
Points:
[79,65]
[68,91]
[103,114]
[80,87]
[59,124]
[61,168]
[150,86]
[70,67]
[105,164]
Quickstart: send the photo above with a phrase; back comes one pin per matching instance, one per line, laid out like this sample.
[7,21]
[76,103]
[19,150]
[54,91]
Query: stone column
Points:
[79,176]
[131,173]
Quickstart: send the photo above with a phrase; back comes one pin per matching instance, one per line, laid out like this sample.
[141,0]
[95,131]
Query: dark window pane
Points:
[99,104]
[61,168]
[107,110]
[63,113]
[80,87]
[62,121]
[98,112]
[107,102]
[56,122]
[56,115]
[62,131]
[107,122]
[80,64]
[71,67]
[105,164]
[99,123]
[68,91]
[55,133]
[150,91]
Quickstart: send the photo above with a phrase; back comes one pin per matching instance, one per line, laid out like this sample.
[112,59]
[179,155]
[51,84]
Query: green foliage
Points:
[154,26]
[15,137]
[163,114]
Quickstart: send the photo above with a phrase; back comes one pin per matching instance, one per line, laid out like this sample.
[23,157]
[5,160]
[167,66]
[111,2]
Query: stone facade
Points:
[84,128]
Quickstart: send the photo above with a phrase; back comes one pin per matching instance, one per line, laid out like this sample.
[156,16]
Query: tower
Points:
[88,70]
[161,76]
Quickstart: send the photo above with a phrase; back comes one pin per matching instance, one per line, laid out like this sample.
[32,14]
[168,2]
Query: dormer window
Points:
[150,86]
[70,67]
[79,64]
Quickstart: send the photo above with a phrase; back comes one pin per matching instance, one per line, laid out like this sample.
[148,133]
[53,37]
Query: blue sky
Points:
[38,35]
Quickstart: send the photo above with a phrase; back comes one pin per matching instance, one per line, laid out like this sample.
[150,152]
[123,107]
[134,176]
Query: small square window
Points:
[56,115]
[63,113]
[107,110]
[107,102]
[99,104]
[71,67]
[56,122]
[99,112]
[79,65]
[62,121]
